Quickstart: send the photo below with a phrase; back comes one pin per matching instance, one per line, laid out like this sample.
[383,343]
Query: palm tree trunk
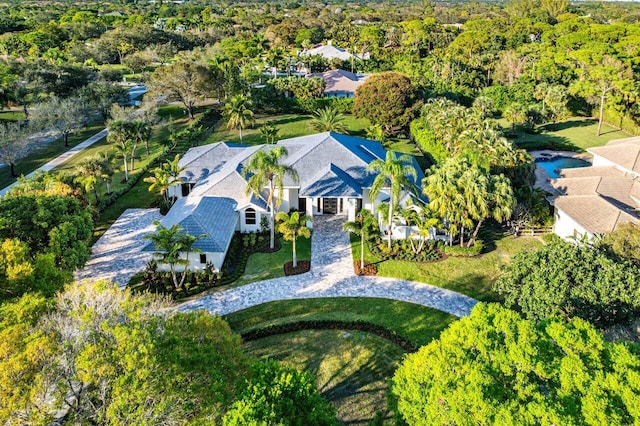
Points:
[602,99]
[475,233]
[126,171]
[96,194]
[13,170]
[133,156]
[462,235]
[66,139]
[272,238]
[174,277]
[362,250]
[295,259]
[390,221]
[108,187]
[240,128]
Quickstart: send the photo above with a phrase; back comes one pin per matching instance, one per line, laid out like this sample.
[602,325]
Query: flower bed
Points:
[402,250]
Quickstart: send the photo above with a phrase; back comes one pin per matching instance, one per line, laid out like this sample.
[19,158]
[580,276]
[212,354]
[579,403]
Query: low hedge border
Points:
[378,330]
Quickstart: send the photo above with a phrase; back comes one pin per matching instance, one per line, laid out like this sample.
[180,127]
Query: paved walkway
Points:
[117,255]
[134,93]
[331,275]
[61,158]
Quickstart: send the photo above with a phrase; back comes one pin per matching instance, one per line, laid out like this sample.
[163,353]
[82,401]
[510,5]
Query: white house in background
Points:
[333,179]
[595,200]
[329,52]
[340,83]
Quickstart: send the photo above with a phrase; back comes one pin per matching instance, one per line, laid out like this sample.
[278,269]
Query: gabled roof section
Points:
[332,183]
[328,51]
[594,213]
[625,153]
[214,217]
[340,80]
[201,161]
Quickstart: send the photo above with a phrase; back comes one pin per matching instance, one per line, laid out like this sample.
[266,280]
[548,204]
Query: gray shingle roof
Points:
[214,216]
[332,183]
[201,161]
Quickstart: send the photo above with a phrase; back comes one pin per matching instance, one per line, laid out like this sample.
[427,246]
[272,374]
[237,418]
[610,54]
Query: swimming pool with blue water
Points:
[551,165]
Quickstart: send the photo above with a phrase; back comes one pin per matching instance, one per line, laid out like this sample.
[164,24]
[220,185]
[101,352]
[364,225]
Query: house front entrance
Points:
[329,205]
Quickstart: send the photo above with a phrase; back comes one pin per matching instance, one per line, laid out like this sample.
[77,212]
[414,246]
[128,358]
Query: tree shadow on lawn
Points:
[287,120]
[570,124]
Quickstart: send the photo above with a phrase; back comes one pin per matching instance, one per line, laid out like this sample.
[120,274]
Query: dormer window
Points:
[250,216]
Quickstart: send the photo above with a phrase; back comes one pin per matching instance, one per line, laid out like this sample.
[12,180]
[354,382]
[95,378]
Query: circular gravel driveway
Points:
[331,275]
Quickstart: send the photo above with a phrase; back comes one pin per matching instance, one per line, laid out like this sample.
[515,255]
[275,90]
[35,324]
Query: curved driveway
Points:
[331,275]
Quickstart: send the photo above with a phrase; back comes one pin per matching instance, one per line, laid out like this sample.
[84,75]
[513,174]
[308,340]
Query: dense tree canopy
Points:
[571,280]
[48,224]
[494,367]
[388,99]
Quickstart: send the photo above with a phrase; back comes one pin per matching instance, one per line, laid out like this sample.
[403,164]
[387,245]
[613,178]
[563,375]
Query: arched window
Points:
[250,216]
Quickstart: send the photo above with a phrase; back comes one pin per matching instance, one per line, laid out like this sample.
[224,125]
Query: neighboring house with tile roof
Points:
[340,83]
[595,200]
[333,179]
[329,52]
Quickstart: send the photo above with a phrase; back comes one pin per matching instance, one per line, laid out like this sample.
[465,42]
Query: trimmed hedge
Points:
[457,251]
[378,330]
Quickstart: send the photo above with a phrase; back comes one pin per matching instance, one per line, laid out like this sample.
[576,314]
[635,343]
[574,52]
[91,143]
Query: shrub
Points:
[457,251]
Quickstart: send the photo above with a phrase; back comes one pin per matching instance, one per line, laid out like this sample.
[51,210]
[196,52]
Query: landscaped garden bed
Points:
[302,267]
[241,247]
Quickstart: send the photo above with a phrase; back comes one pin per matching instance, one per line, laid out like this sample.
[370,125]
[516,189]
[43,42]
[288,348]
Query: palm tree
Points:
[292,226]
[120,136]
[393,173]
[159,182]
[88,172]
[515,113]
[376,132]
[364,224]
[106,159]
[170,243]
[264,170]
[329,120]
[238,113]
[269,133]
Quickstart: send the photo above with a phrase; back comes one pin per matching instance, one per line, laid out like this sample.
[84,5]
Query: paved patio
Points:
[117,255]
[331,275]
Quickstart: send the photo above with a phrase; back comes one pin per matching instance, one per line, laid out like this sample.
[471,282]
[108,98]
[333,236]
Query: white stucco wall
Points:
[194,261]
[242,223]
[568,228]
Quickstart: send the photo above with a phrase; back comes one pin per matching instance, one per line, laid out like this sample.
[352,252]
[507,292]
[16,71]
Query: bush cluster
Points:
[402,250]
[457,251]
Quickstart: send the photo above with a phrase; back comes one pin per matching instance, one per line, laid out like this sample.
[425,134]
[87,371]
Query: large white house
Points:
[595,200]
[212,199]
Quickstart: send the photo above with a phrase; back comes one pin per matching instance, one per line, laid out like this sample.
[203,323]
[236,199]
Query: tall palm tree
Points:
[264,170]
[120,136]
[89,171]
[328,119]
[169,243]
[292,226]
[238,113]
[363,225]
[106,159]
[393,173]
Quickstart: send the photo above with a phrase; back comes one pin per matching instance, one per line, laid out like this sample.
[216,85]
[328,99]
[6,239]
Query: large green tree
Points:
[494,367]
[266,172]
[183,82]
[388,99]
[571,280]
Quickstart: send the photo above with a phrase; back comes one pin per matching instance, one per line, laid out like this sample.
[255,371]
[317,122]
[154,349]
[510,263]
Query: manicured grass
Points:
[289,126]
[46,153]
[264,266]
[417,323]
[12,115]
[471,276]
[577,133]
[352,368]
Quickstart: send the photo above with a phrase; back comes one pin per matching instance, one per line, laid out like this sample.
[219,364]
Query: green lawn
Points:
[12,115]
[289,126]
[264,266]
[577,133]
[471,276]
[352,368]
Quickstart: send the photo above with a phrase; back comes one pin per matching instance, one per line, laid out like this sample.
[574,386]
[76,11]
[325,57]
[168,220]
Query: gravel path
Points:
[117,255]
[331,275]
